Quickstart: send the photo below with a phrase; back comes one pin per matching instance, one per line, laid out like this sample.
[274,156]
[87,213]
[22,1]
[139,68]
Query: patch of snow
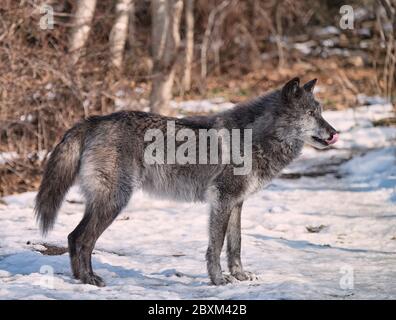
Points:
[361,13]
[356,126]
[370,100]
[328,43]
[139,90]
[365,32]
[305,47]
[376,168]
[202,106]
[20,200]
[28,118]
[374,137]
[12,156]
[7,156]
[329,30]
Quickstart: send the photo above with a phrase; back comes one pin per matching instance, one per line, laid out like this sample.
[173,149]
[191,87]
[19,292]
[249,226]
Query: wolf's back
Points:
[59,175]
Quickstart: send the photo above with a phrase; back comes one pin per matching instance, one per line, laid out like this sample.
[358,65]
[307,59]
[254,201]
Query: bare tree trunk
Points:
[189,16]
[207,36]
[279,33]
[389,70]
[166,15]
[132,27]
[82,25]
[119,32]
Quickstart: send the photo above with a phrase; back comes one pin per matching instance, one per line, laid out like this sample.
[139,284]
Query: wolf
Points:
[105,155]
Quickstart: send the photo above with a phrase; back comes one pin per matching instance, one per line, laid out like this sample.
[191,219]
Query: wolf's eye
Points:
[311,112]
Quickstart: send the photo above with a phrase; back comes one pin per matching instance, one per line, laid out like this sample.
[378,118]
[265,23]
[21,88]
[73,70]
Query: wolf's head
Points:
[306,112]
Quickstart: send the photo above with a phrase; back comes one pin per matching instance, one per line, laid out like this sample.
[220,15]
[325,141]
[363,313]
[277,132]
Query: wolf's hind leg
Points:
[73,248]
[234,246]
[101,211]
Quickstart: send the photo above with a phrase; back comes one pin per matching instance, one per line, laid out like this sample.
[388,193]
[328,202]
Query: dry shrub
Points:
[41,93]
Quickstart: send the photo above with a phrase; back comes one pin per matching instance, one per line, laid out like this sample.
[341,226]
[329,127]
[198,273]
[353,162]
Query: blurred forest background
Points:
[104,56]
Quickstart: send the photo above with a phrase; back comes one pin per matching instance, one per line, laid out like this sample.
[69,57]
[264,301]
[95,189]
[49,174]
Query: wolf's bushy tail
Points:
[59,174]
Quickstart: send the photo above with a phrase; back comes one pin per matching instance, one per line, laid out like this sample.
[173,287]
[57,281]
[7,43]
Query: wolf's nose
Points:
[333,138]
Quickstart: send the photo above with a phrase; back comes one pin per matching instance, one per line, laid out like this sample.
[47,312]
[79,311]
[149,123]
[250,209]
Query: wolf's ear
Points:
[291,89]
[310,85]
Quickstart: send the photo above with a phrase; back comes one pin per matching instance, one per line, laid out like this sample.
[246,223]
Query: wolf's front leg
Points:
[218,222]
[234,246]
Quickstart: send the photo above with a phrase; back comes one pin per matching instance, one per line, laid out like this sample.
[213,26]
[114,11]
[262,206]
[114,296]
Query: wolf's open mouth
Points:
[321,141]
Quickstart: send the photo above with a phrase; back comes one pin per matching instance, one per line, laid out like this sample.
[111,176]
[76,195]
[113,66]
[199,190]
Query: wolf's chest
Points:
[254,183]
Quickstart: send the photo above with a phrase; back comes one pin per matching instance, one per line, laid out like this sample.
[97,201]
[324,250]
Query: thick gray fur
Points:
[104,154]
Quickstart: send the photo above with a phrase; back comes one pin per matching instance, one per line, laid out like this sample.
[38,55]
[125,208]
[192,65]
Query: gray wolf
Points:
[105,155]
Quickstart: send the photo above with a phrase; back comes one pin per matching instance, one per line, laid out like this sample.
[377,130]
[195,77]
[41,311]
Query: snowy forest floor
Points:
[325,229]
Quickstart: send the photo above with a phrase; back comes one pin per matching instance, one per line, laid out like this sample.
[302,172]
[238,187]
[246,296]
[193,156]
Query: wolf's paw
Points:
[223,279]
[92,278]
[244,276]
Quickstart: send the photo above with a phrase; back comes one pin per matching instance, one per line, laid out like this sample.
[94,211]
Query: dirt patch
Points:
[387,122]
[315,229]
[52,250]
[325,167]
[313,174]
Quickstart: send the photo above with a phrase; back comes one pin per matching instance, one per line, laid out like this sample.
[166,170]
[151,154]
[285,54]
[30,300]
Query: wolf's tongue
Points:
[333,140]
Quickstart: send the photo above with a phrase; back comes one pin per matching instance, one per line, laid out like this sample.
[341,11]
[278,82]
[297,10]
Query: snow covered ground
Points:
[326,229]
